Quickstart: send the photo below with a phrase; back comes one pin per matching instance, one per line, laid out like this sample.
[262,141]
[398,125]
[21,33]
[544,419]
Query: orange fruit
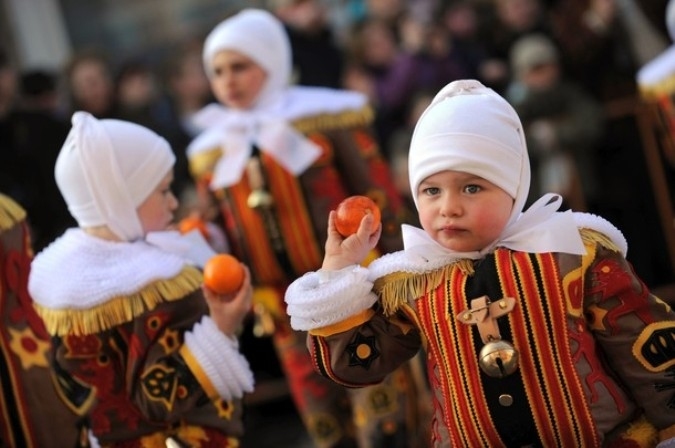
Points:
[191,222]
[223,274]
[350,212]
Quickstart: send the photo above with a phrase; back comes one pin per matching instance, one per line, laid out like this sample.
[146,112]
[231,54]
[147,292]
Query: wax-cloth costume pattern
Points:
[535,340]
[32,413]
[601,298]
[133,346]
[276,171]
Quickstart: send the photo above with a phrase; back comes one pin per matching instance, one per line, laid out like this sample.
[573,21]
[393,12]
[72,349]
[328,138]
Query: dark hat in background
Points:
[531,51]
[37,82]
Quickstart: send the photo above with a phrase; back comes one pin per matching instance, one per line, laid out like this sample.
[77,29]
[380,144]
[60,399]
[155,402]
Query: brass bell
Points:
[260,199]
[498,359]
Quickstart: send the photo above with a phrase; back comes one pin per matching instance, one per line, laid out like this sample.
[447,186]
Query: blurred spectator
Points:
[317,58]
[378,68]
[39,92]
[601,41]
[137,95]
[562,123]
[30,137]
[390,76]
[399,146]
[9,81]
[597,53]
[37,133]
[89,85]
[186,90]
[461,19]
[506,22]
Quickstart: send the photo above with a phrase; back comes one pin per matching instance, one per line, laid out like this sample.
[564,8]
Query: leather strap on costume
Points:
[484,315]
[265,206]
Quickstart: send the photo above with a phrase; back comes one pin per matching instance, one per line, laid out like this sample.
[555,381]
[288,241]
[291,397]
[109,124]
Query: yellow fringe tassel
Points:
[641,432]
[204,162]
[395,289]
[119,309]
[665,87]
[324,122]
[10,213]
[589,236]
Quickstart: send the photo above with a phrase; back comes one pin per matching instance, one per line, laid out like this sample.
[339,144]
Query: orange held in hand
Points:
[223,274]
[350,212]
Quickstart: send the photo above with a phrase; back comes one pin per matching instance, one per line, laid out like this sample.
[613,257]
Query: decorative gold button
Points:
[363,351]
[505,400]
[503,304]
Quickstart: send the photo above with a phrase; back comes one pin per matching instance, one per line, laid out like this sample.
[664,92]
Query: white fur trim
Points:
[81,271]
[314,302]
[219,356]
[404,261]
[590,221]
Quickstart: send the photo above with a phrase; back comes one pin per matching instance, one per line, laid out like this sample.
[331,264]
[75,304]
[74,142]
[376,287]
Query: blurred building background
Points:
[42,34]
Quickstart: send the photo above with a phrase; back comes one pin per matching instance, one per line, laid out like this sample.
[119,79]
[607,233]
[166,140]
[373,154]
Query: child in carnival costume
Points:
[32,413]
[140,348]
[537,330]
[276,159]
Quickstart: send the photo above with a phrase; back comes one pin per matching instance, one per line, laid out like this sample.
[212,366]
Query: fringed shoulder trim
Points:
[395,290]
[328,121]
[10,213]
[611,237]
[665,87]
[120,309]
[202,163]
[590,236]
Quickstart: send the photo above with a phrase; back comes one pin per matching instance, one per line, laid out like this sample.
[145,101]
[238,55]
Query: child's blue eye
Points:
[431,191]
[472,189]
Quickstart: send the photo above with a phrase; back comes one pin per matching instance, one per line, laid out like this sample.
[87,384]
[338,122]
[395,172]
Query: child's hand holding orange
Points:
[354,229]
[227,290]
[351,211]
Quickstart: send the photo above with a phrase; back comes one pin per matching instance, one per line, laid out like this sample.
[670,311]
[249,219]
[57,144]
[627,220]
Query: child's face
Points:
[156,212]
[236,80]
[461,211]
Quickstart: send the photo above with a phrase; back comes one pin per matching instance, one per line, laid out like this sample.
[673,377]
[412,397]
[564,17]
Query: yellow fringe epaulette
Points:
[665,87]
[325,122]
[204,161]
[589,236]
[396,288]
[121,309]
[11,213]
[640,433]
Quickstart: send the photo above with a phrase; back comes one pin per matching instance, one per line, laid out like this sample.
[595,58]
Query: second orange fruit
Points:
[350,212]
[223,274]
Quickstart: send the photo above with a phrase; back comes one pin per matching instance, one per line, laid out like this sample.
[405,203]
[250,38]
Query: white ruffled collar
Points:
[80,271]
[269,128]
[424,257]
[539,229]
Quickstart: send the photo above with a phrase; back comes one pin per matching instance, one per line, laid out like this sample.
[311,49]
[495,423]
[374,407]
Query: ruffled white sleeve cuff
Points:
[322,298]
[220,359]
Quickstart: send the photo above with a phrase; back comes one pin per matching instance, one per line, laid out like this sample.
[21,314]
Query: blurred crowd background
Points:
[568,67]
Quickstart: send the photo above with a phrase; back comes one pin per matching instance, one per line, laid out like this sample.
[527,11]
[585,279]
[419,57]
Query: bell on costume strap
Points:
[498,358]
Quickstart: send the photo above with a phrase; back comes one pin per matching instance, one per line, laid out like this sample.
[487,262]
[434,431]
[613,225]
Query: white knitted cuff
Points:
[668,443]
[322,298]
[219,356]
